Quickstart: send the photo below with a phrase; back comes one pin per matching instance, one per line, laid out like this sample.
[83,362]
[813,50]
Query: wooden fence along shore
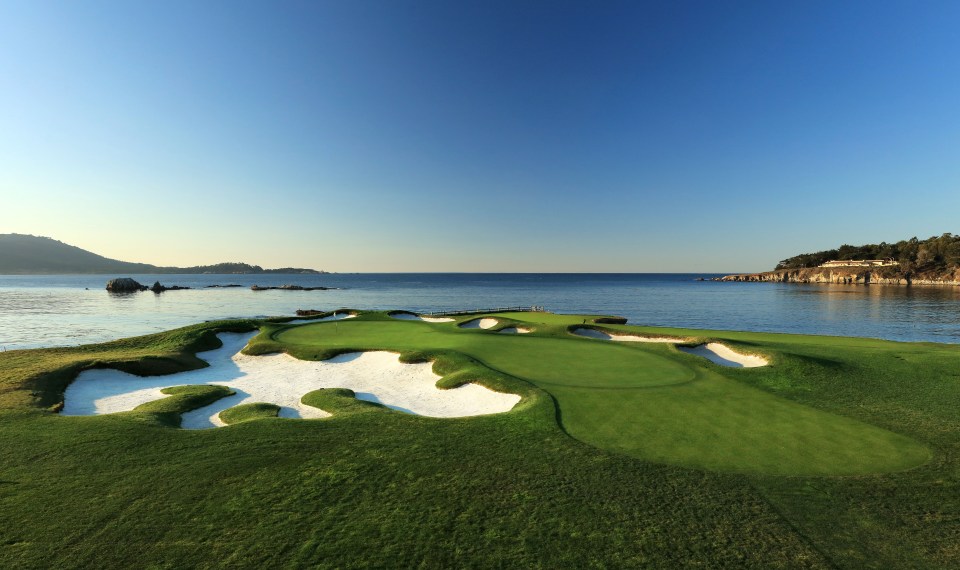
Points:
[530,309]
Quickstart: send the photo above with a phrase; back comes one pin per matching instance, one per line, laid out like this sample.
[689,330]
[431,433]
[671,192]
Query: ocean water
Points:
[37,311]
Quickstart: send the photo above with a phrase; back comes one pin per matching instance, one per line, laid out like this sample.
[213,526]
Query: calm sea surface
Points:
[76,309]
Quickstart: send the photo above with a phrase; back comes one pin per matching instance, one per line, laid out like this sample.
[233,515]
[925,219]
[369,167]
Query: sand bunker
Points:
[725,356]
[412,317]
[281,379]
[514,330]
[333,317]
[594,333]
[714,351]
[484,323]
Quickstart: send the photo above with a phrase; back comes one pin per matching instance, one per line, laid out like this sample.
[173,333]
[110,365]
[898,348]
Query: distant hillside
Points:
[32,255]
[933,261]
[935,255]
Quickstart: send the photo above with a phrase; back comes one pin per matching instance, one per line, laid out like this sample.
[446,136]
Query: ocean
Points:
[60,310]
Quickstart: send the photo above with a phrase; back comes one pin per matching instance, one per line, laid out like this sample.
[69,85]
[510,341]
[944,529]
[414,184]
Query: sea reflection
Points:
[929,303]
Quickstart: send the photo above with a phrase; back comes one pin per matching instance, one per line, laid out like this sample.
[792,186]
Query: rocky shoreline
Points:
[128,285]
[841,276]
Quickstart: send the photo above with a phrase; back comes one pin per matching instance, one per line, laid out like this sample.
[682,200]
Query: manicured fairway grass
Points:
[648,401]
[370,487]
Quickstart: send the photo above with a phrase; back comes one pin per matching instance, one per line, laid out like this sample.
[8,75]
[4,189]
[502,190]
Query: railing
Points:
[530,309]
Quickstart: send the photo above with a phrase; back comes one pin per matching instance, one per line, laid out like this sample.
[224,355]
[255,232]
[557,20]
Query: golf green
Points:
[645,400]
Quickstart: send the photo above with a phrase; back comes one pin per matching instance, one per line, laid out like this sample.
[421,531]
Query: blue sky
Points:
[479,136]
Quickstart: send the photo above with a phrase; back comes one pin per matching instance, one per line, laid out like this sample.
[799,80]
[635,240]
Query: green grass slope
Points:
[372,487]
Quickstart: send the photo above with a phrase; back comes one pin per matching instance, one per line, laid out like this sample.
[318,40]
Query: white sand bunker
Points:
[514,330]
[412,317]
[725,356]
[282,380]
[484,323]
[333,317]
[594,333]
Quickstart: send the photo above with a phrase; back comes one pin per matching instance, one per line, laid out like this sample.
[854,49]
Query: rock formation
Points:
[843,276]
[289,288]
[128,285]
[158,288]
[124,285]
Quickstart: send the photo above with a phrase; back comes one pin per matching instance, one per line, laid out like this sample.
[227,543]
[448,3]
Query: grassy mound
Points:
[183,399]
[249,412]
[340,401]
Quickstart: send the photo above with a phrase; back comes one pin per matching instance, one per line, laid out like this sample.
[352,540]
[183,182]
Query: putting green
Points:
[647,401]
[570,362]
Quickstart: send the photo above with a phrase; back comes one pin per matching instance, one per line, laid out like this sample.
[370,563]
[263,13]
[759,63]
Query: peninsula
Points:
[934,261]
[33,255]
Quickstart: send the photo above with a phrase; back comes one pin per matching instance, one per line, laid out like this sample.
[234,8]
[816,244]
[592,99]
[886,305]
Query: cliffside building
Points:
[861,263]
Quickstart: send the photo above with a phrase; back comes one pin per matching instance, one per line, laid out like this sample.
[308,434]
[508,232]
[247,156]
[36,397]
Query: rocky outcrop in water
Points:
[158,288]
[290,288]
[310,313]
[129,285]
[124,285]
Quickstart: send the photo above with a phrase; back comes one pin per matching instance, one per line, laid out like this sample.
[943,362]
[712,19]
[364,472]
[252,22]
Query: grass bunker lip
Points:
[480,323]
[724,355]
[407,316]
[601,334]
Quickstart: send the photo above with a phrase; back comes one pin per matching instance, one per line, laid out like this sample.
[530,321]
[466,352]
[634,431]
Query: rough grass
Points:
[384,489]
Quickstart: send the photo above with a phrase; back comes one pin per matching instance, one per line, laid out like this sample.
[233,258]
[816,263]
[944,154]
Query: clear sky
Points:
[479,136]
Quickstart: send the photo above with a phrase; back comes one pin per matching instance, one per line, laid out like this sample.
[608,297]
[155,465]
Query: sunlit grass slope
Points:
[370,487]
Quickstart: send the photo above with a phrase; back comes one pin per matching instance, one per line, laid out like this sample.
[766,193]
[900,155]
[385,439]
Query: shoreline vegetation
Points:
[840,452]
[933,261]
[33,255]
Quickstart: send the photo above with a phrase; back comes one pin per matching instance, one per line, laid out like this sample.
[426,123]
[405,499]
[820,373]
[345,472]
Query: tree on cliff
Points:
[938,254]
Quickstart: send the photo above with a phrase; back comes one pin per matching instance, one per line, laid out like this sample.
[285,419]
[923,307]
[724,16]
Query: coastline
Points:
[831,276]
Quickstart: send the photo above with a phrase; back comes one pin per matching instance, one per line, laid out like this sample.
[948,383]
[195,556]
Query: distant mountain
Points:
[32,255]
